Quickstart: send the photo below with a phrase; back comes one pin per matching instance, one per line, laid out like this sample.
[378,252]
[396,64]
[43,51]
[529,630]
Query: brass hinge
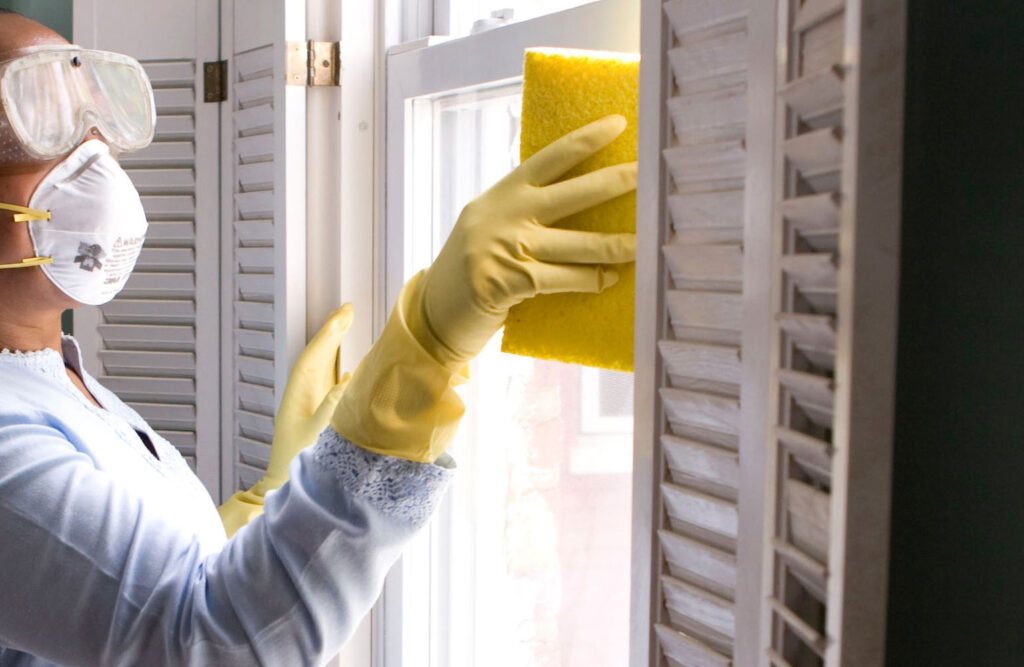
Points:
[215,78]
[314,63]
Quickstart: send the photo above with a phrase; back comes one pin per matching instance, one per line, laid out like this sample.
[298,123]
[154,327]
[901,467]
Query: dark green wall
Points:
[55,14]
[957,563]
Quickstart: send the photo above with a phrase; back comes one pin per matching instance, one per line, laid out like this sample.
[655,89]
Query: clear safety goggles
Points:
[52,96]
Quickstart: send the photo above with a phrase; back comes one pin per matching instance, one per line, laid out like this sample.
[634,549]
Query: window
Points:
[527,562]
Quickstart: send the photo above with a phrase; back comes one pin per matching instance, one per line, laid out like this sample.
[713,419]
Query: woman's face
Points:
[28,287]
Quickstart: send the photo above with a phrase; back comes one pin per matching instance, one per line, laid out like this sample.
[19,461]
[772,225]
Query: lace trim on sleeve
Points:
[397,487]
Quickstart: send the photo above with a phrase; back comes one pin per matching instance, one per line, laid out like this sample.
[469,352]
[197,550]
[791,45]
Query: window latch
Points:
[314,63]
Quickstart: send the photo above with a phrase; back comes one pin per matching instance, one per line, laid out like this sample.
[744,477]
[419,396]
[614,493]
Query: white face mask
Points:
[96,225]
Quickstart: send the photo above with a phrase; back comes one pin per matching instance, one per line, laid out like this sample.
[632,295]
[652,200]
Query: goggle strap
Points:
[27,262]
[24,213]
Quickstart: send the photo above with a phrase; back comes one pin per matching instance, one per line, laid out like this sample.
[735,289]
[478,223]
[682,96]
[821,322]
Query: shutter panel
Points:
[156,343]
[836,219]
[264,225]
[703,94]
[776,201]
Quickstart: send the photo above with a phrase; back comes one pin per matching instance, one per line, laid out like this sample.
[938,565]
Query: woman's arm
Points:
[92,574]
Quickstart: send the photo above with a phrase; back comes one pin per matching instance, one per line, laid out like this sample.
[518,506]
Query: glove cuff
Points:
[401,399]
[241,508]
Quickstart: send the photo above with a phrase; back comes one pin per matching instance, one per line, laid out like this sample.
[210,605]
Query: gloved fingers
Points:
[567,246]
[321,353]
[555,278]
[576,194]
[316,369]
[322,417]
[564,153]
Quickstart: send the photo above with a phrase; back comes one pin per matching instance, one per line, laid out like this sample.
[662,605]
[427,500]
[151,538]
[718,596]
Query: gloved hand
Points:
[309,400]
[501,251]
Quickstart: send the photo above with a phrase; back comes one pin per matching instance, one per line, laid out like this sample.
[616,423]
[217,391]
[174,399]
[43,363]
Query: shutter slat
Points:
[252,452]
[700,509]
[255,260]
[717,413]
[816,93]
[179,206]
[808,512]
[813,12]
[693,463]
[720,363]
[173,72]
[173,260]
[695,608]
[809,451]
[721,208]
[255,315]
[707,58]
[816,151]
[149,311]
[256,176]
[699,563]
[716,115]
[254,92]
[142,388]
[255,120]
[184,441]
[815,211]
[258,62]
[690,15]
[811,269]
[718,162]
[175,99]
[255,286]
[169,364]
[821,44]
[175,127]
[255,371]
[716,267]
[255,233]
[688,651]
[706,310]
[255,398]
[183,179]
[148,337]
[258,344]
[255,426]
[257,148]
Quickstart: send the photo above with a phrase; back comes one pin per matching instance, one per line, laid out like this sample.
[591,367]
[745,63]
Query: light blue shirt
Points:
[112,556]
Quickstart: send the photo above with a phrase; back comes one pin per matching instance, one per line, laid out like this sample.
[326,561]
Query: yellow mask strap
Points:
[28,261]
[24,213]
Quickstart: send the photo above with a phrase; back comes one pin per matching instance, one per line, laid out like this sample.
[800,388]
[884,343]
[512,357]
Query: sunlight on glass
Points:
[530,552]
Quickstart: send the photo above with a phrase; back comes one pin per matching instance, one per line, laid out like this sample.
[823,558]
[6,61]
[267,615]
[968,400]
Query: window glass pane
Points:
[530,554]
[470,16]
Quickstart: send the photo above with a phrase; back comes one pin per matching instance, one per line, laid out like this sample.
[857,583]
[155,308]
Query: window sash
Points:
[432,68]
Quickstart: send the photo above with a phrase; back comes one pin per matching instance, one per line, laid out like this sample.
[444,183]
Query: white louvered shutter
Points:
[698,430]
[264,228]
[156,345]
[777,201]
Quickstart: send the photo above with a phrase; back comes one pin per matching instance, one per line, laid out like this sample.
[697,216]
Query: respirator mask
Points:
[85,218]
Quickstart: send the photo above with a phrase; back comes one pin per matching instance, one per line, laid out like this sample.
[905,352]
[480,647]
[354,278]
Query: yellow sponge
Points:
[564,90]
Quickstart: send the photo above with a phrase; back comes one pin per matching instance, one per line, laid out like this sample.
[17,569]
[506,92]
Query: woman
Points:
[111,552]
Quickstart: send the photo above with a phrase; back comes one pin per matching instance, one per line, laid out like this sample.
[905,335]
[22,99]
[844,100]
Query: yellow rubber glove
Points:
[502,251]
[401,400]
[309,400]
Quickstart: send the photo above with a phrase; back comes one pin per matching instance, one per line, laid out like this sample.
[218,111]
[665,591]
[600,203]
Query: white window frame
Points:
[418,70]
